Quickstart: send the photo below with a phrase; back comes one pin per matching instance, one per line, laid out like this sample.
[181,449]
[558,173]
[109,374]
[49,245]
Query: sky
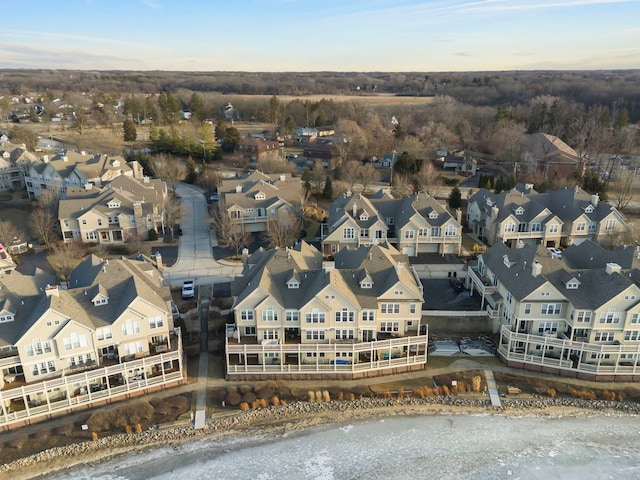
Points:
[321,35]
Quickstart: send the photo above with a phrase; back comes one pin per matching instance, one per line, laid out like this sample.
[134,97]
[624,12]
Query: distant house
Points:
[549,156]
[257,149]
[327,153]
[185,114]
[306,135]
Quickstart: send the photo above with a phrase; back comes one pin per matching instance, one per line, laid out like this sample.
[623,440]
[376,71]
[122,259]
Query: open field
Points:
[370,99]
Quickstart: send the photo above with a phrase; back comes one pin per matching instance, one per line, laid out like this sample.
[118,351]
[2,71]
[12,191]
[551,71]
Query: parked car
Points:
[555,252]
[457,284]
[188,289]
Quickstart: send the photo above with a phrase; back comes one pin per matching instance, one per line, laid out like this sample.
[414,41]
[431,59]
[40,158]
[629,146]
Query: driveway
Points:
[195,257]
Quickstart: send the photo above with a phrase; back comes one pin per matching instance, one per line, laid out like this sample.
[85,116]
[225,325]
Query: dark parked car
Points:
[456,284]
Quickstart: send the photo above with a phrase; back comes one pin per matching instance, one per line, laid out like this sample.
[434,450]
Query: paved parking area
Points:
[440,295]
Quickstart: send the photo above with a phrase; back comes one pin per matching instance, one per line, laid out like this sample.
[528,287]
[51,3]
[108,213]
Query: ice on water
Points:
[452,446]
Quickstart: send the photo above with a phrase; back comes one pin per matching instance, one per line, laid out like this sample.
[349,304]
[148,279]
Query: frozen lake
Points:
[452,447]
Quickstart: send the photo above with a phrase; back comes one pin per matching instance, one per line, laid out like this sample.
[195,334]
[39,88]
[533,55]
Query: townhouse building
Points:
[296,314]
[558,218]
[13,161]
[414,224]
[113,311]
[575,315]
[71,170]
[124,209]
[254,200]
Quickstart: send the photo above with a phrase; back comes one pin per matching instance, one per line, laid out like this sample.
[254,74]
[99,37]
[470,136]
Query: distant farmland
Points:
[372,99]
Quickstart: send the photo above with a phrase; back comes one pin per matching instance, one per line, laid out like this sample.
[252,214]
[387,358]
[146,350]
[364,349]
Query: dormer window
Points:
[259,196]
[100,301]
[589,209]
[113,204]
[507,263]
[489,202]
[6,318]
[293,283]
[364,217]
[433,215]
[572,285]
[519,211]
[366,284]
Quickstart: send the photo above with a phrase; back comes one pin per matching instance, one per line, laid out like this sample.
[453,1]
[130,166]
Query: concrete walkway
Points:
[492,388]
[195,256]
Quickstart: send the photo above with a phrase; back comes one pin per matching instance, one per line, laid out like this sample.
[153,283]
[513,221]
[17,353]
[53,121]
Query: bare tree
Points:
[367,175]
[173,212]
[65,257]
[274,166]
[230,235]
[43,225]
[317,176]
[284,231]
[428,178]
[349,172]
[8,233]
[402,185]
[49,200]
[623,190]
[170,170]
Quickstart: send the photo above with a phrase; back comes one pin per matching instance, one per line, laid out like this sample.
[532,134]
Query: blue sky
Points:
[317,35]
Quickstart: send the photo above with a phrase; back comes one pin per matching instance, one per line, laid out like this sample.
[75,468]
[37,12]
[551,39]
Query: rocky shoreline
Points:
[298,416]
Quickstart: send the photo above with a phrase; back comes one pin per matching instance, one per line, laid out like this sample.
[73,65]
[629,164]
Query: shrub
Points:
[444,390]
[43,434]
[94,436]
[312,396]
[325,396]
[476,383]
[551,392]
[361,390]
[138,428]
[401,393]
[244,406]
[245,389]
[275,401]
[265,392]
[233,398]
[352,397]
[263,402]
[219,394]
[153,235]
[127,428]
[341,395]
[620,397]
[181,403]
[249,397]
[162,408]
[318,396]
[255,405]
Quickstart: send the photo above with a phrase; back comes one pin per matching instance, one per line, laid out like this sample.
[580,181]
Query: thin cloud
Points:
[152,4]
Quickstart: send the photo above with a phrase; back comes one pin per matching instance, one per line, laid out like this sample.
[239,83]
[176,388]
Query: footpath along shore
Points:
[298,416]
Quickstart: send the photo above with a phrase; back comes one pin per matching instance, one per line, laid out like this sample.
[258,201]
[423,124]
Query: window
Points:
[6,318]
[584,316]
[130,327]
[43,368]
[156,322]
[412,308]
[536,227]
[104,333]
[315,316]
[389,327]
[246,315]
[610,225]
[315,334]
[635,318]
[572,285]
[632,335]
[344,334]
[84,221]
[132,348]
[553,228]
[610,316]
[366,284]
[368,315]
[91,235]
[435,231]
[399,292]
[423,232]
[315,354]
[38,347]
[99,220]
[409,234]
[527,308]
[250,331]
[592,226]
[293,284]
[100,301]
[509,297]
[551,308]
[364,233]
[510,227]
[349,233]
[388,308]
[581,227]
[546,327]
[269,314]
[378,234]
[292,316]
[75,340]
[603,337]
[345,315]
[270,334]
[544,294]
[450,231]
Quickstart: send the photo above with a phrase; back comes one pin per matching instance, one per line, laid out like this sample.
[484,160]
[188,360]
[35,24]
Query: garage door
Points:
[254,227]
[449,248]
[411,251]
[428,248]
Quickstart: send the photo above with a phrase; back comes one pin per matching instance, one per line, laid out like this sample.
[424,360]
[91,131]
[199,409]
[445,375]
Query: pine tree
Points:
[328,188]
[129,130]
[455,198]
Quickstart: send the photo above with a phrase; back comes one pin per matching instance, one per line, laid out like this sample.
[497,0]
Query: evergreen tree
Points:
[129,130]
[455,198]
[328,188]
[192,174]
[499,186]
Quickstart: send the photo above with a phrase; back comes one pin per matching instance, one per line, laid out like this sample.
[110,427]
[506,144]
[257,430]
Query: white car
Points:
[555,252]
[188,289]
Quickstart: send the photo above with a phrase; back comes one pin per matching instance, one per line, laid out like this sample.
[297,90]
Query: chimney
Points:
[327,266]
[612,268]
[494,213]
[137,209]
[159,263]
[595,198]
[51,290]
[354,209]
[238,188]
[459,216]
[45,159]
[536,269]
[65,158]
[283,177]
